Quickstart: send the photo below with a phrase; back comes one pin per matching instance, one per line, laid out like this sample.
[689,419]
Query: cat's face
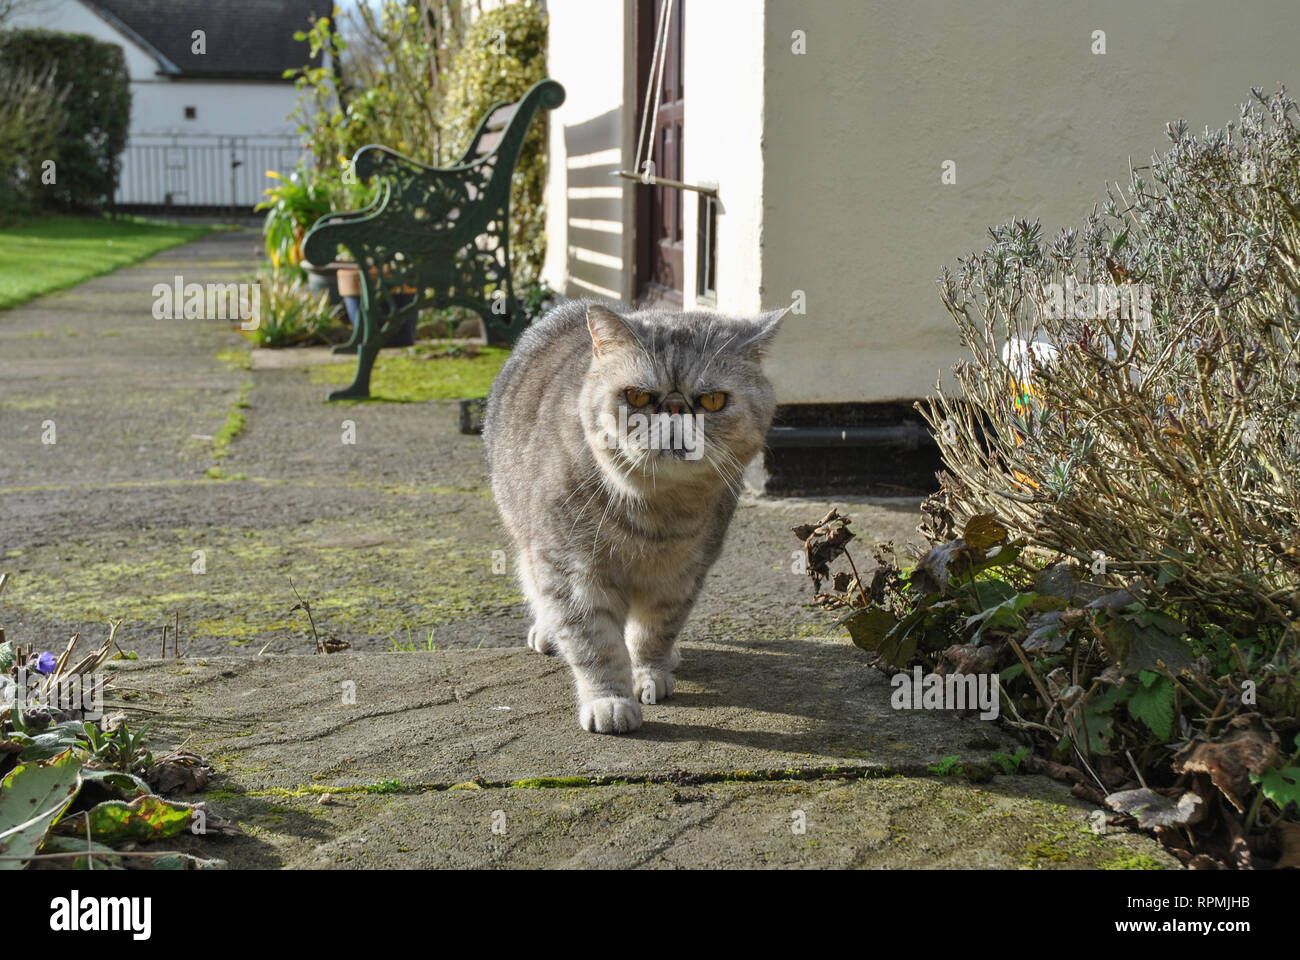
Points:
[676,400]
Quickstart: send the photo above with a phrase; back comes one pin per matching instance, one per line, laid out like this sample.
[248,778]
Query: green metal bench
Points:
[443,232]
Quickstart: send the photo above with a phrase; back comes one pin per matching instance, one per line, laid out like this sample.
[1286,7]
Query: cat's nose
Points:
[674,404]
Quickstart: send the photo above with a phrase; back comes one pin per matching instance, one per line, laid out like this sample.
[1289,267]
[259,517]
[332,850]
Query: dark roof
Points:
[245,39]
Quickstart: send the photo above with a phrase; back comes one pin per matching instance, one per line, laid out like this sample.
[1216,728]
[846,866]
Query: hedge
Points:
[503,55]
[97,110]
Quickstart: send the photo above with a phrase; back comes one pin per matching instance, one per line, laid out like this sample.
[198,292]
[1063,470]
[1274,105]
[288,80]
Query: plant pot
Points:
[349,280]
[325,277]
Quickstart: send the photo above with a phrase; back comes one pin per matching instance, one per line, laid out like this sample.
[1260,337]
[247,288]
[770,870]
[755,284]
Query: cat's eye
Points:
[713,402]
[638,398]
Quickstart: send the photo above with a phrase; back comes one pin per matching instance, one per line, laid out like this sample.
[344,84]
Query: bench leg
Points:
[370,341]
[353,339]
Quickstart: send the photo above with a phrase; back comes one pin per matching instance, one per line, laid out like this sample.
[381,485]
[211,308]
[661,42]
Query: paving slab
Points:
[436,719]
[777,753]
[466,753]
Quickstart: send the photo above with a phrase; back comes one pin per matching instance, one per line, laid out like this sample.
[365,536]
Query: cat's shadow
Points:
[796,678]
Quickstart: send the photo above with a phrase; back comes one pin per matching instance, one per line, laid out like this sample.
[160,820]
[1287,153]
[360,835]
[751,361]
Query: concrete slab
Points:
[398,533]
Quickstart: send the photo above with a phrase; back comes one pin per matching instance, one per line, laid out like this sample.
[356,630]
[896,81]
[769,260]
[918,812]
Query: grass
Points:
[234,424]
[412,645]
[41,256]
[409,378]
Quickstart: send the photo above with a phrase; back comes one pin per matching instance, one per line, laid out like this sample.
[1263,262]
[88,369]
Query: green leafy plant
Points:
[947,766]
[124,750]
[29,132]
[292,206]
[1086,671]
[1012,763]
[72,795]
[290,314]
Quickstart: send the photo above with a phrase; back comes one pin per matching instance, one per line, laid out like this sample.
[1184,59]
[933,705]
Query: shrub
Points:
[1160,439]
[389,86]
[421,83]
[1114,538]
[504,54]
[29,133]
[97,110]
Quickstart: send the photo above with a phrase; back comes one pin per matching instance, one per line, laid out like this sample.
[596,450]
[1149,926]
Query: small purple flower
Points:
[45,663]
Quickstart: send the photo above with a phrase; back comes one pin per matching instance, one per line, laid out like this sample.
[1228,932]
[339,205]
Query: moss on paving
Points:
[898,821]
[422,577]
[235,359]
[234,424]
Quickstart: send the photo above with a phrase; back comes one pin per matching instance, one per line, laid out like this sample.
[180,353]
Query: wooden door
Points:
[659,239]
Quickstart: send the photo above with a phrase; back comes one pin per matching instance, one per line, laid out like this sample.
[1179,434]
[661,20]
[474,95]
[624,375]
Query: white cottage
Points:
[840,152]
[209,103]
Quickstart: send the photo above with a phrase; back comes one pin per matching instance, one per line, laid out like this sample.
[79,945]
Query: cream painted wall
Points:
[588,212]
[856,131]
[722,143]
[223,108]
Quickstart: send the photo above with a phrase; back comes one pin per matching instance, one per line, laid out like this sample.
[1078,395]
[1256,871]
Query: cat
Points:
[616,440]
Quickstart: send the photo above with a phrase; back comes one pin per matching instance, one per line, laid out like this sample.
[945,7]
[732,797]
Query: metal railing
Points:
[201,174]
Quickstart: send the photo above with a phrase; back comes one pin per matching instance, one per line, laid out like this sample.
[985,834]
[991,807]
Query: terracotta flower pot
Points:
[349,281]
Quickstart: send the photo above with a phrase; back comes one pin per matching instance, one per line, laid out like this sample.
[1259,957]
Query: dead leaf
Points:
[983,531]
[823,542]
[1247,746]
[179,773]
[942,562]
[1290,834]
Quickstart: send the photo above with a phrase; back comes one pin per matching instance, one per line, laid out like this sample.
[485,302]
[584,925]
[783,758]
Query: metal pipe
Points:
[708,191]
[908,435]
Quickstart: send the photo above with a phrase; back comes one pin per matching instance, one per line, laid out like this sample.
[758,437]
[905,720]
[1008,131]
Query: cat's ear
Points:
[763,331]
[608,330]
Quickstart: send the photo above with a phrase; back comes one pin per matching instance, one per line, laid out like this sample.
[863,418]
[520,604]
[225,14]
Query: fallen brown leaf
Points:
[1247,746]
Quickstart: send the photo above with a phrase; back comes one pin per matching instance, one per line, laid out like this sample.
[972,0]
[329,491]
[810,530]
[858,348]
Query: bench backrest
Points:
[490,131]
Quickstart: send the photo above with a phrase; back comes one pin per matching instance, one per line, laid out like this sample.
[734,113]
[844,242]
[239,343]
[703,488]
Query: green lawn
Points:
[38,256]
[415,375]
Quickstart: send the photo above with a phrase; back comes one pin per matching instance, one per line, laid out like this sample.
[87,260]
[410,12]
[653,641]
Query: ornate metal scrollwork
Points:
[441,233]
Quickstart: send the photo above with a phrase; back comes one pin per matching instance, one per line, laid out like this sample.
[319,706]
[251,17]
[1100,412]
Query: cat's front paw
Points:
[651,684]
[539,641]
[610,715]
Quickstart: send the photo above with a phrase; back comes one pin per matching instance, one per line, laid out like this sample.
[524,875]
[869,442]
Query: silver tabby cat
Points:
[616,443]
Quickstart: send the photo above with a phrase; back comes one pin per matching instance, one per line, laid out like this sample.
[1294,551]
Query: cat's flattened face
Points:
[676,398]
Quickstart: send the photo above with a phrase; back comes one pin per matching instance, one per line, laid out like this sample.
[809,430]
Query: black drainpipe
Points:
[908,435]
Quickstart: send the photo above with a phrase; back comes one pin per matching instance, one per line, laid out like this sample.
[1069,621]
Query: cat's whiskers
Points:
[724,464]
